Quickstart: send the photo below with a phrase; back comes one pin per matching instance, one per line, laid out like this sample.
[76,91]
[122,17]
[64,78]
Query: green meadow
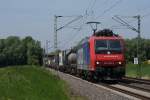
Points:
[133,70]
[32,83]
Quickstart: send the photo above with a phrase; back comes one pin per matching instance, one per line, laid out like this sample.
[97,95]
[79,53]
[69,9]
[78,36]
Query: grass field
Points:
[31,83]
[36,83]
[133,71]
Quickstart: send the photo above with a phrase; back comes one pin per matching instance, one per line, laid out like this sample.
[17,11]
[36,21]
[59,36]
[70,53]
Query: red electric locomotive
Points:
[101,56]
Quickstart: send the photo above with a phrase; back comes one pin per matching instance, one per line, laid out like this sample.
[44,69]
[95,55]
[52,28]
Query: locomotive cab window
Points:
[103,46]
[114,45]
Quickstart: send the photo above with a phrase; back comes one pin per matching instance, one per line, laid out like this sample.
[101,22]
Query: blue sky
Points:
[36,18]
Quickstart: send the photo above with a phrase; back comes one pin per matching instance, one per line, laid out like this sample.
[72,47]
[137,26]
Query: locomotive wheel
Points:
[90,76]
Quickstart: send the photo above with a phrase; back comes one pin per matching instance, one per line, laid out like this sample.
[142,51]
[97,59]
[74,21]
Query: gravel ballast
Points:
[90,90]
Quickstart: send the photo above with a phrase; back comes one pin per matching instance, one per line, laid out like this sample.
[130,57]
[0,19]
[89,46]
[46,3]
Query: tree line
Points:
[16,51]
[143,49]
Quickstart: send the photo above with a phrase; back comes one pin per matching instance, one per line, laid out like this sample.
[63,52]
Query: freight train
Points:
[98,57]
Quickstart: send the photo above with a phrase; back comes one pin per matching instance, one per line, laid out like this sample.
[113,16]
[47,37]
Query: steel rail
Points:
[135,87]
[142,81]
[140,96]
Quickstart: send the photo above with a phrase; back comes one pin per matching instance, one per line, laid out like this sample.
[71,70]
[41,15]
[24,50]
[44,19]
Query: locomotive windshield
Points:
[103,46]
[114,45]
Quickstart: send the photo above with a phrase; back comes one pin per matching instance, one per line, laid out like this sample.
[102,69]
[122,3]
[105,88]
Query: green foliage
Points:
[131,49]
[30,83]
[133,70]
[14,51]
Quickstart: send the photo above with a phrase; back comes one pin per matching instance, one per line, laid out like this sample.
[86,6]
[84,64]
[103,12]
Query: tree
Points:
[34,51]
[131,49]
[14,51]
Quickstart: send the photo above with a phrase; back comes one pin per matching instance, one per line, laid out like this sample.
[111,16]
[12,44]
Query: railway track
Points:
[132,91]
[139,88]
[139,84]
[135,86]
[135,80]
[124,87]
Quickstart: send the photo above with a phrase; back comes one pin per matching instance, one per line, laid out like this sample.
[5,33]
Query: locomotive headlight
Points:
[119,62]
[97,62]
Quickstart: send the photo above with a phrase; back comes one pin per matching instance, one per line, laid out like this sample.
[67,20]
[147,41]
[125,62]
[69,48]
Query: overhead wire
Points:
[118,27]
[80,28]
[70,22]
[85,16]
[67,41]
[145,15]
[141,10]
[73,35]
[110,8]
[76,33]
[89,6]
[94,2]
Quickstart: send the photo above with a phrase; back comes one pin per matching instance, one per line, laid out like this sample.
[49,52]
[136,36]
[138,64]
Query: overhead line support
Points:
[138,30]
